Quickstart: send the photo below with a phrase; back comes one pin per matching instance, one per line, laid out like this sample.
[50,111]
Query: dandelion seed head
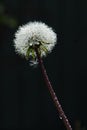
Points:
[34,34]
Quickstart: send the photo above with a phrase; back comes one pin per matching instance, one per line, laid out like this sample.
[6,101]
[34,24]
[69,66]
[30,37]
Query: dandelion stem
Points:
[53,95]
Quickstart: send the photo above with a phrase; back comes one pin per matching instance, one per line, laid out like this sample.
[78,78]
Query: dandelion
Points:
[34,41]
[32,35]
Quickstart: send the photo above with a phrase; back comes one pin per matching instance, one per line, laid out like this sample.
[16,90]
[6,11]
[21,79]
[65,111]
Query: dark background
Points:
[24,99]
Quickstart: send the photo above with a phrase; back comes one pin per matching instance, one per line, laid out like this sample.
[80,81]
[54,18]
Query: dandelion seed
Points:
[31,35]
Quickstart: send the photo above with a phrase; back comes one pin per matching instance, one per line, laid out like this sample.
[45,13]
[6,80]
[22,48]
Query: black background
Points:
[24,99]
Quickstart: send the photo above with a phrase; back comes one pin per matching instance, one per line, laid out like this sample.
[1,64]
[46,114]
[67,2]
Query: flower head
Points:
[31,35]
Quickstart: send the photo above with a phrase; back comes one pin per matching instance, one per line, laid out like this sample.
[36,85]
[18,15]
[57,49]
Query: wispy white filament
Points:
[34,34]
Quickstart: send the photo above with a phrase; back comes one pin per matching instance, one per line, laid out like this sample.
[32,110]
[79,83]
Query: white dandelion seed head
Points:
[34,34]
